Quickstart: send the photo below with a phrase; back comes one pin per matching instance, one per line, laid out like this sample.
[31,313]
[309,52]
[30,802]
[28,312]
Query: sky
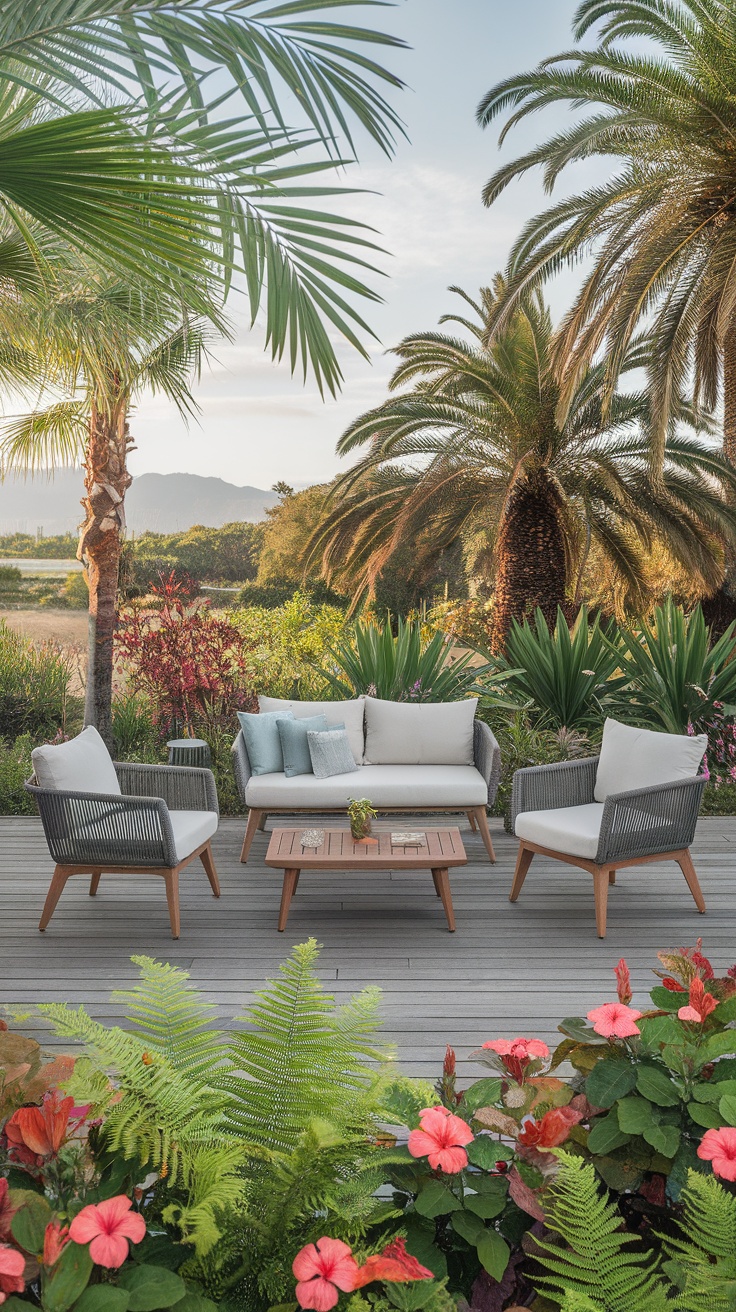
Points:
[258,424]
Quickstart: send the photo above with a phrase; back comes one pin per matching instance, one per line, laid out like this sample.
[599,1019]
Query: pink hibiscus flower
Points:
[516,1054]
[700,1004]
[442,1138]
[107,1227]
[322,1270]
[12,1266]
[719,1148]
[615,1021]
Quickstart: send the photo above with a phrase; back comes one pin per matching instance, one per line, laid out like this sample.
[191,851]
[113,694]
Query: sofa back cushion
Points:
[423,733]
[348,713]
[639,758]
[83,765]
[262,742]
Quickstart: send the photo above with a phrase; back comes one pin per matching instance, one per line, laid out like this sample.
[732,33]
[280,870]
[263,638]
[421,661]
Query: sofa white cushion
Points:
[638,758]
[419,733]
[191,828]
[349,713]
[570,829]
[83,765]
[404,786]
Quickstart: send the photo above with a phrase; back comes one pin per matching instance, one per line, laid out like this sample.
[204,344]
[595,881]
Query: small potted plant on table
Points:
[360,814]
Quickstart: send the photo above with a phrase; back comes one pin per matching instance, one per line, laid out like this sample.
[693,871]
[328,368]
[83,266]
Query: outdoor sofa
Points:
[429,756]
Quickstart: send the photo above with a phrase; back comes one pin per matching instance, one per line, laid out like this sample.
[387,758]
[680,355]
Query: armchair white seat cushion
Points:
[191,830]
[83,765]
[634,758]
[571,829]
[386,785]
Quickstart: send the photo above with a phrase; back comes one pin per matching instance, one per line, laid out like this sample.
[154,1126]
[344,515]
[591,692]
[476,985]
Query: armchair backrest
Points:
[634,758]
[83,765]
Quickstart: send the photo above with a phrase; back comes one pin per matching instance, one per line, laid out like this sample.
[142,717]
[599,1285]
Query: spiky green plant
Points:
[407,667]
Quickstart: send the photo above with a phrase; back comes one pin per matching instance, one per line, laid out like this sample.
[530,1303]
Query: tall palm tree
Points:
[99,344]
[474,445]
[662,227]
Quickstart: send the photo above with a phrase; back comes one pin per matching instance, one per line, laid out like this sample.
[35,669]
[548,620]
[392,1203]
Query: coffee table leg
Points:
[442,884]
[291,879]
[436,883]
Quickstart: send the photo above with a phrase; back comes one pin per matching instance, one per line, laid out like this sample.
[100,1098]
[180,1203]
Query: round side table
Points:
[189,751]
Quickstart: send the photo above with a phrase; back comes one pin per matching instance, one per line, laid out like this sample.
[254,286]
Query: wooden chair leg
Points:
[291,879]
[172,897]
[611,877]
[473,821]
[254,820]
[263,819]
[208,862]
[94,883]
[600,889]
[524,858]
[436,882]
[56,889]
[482,819]
[442,881]
[685,862]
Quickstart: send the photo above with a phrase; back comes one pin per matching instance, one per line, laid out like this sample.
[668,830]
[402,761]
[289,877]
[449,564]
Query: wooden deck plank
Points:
[507,970]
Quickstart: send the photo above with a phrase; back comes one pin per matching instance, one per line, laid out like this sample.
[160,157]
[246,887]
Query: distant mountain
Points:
[164,503]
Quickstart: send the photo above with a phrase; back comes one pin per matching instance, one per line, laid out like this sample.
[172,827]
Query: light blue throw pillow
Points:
[330,753]
[295,744]
[262,742]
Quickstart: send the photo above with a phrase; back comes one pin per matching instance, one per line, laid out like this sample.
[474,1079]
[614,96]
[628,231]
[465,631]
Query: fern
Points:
[599,1262]
[579,1303]
[706,1254]
[172,1017]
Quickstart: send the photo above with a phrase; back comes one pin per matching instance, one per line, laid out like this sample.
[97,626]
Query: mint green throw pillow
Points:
[295,744]
[262,741]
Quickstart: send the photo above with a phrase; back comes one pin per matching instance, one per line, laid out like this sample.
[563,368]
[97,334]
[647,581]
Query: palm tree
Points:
[662,227]
[99,344]
[473,447]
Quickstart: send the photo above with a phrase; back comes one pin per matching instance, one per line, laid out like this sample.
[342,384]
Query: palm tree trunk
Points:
[532,564]
[720,608]
[729,393]
[106,482]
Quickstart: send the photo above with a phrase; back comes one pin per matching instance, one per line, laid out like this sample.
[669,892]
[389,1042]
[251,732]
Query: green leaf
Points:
[725,1012]
[664,1139]
[609,1080]
[485,1205]
[493,1254]
[577,1028]
[28,1226]
[69,1277]
[468,1226]
[192,1302]
[485,1151]
[606,1135]
[656,1085]
[151,1287]
[704,1114]
[715,1046]
[727,1108]
[660,1030]
[435,1199]
[420,1243]
[481,1094]
[665,1000]
[103,1298]
[634,1115]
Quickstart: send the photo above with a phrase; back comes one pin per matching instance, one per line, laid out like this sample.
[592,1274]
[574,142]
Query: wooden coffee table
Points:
[438,851]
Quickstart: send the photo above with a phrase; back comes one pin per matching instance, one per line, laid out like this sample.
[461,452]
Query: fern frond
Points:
[216,1185]
[706,1252]
[574,1302]
[171,1015]
[599,1261]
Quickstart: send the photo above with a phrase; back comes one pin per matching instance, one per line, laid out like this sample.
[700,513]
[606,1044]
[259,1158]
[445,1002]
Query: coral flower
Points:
[12,1266]
[442,1138]
[719,1148]
[623,983]
[700,1003]
[517,1053]
[551,1131]
[39,1130]
[322,1270]
[56,1236]
[672,984]
[7,1211]
[392,1263]
[614,1021]
[107,1227]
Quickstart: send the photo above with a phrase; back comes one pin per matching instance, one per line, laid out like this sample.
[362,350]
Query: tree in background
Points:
[228,554]
[473,447]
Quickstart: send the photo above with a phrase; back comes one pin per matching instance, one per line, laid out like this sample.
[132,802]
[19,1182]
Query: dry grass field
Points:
[67,628]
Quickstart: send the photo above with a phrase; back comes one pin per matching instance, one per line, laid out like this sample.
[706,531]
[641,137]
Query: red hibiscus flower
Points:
[442,1138]
[12,1266]
[516,1054]
[623,983]
[392,1263]
[107,1227]
[551,1131]
[322,1270]
[719,1148]
[614,1021]
[700,1004]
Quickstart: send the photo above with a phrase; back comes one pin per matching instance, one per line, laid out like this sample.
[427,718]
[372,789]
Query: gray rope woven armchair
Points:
[122,818]
[577,811]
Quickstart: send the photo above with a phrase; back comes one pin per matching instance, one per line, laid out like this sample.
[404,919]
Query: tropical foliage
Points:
[413,666]
[473,448]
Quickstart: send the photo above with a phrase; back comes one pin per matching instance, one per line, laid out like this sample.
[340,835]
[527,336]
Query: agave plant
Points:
[674,676]
[566,675]
[405,668]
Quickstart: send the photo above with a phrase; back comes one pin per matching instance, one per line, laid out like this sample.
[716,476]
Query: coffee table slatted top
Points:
[439,848]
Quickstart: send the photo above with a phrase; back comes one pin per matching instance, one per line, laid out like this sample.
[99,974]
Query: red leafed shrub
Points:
[192,664]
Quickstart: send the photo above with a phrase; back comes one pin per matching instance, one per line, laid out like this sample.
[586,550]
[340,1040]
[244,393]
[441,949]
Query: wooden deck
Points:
[507,970]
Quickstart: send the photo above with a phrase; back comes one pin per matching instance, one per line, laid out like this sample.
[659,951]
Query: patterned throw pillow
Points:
[330,753]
